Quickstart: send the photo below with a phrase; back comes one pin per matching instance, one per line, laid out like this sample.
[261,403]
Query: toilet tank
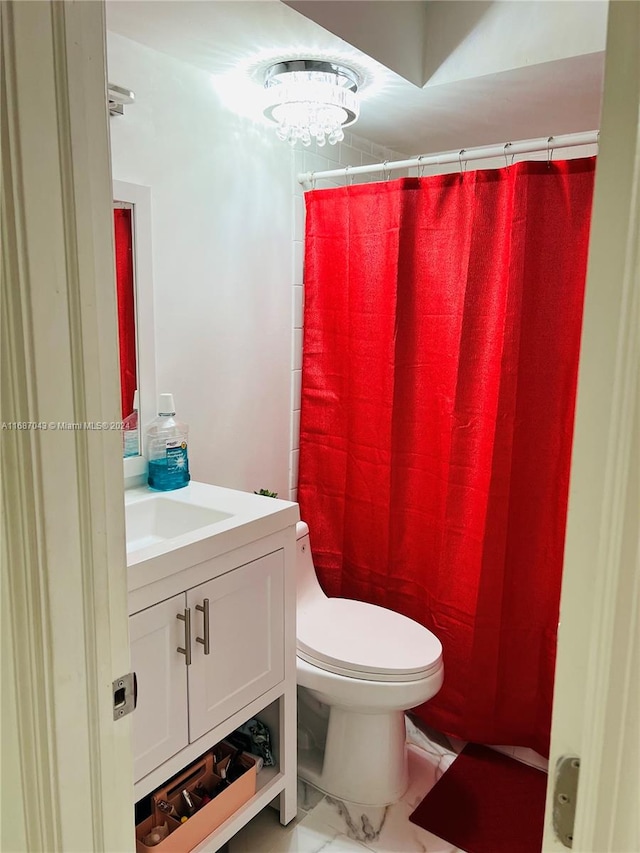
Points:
[308,590]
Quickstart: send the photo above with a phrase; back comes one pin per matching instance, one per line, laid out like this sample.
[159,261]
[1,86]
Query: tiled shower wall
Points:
[353,151]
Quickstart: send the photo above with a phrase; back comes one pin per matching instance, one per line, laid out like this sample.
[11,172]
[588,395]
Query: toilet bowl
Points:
[359,668]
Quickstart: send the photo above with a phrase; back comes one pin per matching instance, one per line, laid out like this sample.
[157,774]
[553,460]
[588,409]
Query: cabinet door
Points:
[246,641]
[160,720]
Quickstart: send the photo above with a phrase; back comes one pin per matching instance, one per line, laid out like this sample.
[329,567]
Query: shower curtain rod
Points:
[465,155]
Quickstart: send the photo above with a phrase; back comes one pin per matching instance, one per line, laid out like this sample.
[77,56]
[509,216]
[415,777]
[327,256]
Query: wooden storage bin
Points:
[185,836]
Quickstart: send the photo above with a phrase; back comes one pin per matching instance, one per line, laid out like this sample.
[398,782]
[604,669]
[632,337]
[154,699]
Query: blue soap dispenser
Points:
[166,448]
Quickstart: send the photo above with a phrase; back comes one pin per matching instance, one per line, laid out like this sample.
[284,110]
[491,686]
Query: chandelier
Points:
[311,100]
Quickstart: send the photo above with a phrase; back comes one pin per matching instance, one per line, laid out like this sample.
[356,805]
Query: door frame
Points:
[597,684]
[66,764]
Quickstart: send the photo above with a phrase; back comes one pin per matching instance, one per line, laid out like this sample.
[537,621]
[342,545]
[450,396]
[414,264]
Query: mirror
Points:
[125,291]
[134,283]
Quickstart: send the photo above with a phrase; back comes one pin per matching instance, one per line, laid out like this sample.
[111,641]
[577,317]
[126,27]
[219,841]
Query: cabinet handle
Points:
[186,651]
[204,608]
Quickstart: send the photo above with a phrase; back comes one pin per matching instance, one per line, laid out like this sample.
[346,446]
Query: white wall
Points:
[222,214]
[227,234]
[435,43]
[392,33]
[471,38]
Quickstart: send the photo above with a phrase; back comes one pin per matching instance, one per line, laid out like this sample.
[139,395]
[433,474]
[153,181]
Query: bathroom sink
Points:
[160,518]
[170,531]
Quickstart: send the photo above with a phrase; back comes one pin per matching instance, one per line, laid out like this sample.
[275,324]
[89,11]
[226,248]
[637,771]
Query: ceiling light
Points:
[311,100]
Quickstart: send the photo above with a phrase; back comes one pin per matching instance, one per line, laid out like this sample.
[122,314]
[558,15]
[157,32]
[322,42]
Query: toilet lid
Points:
[366,641]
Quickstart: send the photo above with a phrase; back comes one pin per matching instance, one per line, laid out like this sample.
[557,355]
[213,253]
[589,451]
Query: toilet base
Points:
[365,758]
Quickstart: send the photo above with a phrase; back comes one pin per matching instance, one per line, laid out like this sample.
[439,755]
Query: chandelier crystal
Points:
[311,100]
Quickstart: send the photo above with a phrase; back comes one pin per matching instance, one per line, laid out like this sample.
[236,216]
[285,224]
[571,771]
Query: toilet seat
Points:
[361,640]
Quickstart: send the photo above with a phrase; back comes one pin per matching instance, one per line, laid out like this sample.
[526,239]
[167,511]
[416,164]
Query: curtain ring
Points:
[387,172]
[348,176]
[420,166]
[549,151]
[312,180]
[504,151]
[462,150]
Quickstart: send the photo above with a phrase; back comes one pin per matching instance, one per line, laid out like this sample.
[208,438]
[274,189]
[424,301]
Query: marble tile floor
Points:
[332,826]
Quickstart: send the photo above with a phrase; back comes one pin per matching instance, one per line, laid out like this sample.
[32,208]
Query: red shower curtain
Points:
[441,339]
[123,236]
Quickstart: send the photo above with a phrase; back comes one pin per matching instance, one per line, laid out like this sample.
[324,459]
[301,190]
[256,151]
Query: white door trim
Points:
[597,680]
[63,558]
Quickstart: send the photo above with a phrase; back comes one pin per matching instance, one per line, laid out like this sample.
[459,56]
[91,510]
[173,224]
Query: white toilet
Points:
[360,667]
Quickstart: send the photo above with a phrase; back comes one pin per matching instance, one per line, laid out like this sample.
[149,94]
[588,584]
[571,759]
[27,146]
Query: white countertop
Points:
[250,517]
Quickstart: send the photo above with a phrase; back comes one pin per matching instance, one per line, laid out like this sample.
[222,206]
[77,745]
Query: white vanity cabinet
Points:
[238,651]
[203,655]
[212,632]
[161,718]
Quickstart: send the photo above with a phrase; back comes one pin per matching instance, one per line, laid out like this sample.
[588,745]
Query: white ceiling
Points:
[491,71]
